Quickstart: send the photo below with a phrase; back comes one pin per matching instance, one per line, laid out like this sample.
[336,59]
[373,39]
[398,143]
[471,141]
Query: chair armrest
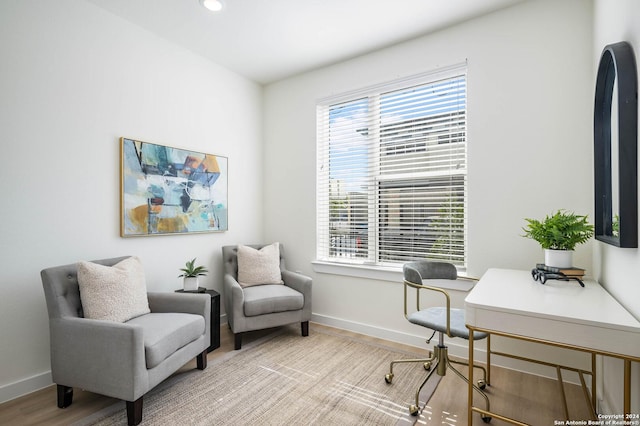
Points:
[233,299]
[298,282]
[233,287]
[419,287]
[188,303]
[301,283]
[98,355]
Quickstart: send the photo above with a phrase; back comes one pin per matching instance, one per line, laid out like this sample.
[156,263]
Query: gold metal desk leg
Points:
[593,382]
[585,390]
[564,396]
[470,376]
[489,359]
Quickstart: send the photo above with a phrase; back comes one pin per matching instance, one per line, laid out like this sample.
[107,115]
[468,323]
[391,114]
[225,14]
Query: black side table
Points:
[215,315]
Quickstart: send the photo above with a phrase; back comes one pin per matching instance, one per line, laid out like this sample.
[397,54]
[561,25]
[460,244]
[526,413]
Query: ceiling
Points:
[267,40]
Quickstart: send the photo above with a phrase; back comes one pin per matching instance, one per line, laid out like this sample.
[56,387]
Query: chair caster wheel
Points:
[427,365]
[388,378]
[413,410]
[486,419]
[482,385]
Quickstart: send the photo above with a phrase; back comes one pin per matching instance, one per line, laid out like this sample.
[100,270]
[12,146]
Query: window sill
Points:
[384,273]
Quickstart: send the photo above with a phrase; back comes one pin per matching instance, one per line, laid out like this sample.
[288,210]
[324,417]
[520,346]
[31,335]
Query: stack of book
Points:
[573,272]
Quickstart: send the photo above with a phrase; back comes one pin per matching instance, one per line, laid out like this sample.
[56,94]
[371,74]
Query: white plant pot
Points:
[190,283]
[558,258]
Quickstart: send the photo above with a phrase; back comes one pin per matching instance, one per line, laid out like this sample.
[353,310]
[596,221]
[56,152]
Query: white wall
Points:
[618,268]
[530,147]
[73,80]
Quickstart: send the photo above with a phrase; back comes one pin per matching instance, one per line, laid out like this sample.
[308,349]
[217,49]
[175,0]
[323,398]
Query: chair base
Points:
[237,337]
[134,412]
[134,408]
[201,360]
[439,362]
[65,396]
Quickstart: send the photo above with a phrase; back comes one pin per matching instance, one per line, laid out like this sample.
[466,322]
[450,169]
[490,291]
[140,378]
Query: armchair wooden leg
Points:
[305,328]
[201,360]
[65,396]
[237,341]
[134,412]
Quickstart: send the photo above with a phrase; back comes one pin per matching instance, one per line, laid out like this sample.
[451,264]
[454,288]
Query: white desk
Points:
[560,313]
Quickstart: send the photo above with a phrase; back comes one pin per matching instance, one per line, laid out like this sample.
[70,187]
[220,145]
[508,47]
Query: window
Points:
[392,172]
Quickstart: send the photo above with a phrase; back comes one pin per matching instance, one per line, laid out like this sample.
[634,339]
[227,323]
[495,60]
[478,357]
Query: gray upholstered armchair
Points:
[264,306]
[122,360]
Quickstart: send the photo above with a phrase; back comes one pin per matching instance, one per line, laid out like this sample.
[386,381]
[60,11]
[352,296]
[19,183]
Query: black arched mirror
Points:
[615,135]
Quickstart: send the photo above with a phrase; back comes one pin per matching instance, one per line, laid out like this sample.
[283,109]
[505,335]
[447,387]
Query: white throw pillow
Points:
[114,293]
[256,267]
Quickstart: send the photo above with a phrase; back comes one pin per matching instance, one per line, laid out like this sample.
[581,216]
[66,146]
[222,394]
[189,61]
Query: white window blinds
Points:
[392,172]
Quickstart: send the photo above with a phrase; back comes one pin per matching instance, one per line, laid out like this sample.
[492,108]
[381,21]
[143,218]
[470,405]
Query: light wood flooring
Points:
[532,399]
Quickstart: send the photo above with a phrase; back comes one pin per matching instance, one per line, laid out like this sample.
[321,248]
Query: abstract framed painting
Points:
[166,190]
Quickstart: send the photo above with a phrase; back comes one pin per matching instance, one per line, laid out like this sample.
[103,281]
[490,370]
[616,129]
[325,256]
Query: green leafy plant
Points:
[615,226]
[560,231]
[190,270]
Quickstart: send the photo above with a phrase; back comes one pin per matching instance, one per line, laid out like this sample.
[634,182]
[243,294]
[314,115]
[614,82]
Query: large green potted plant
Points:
[559,234]
[190,273]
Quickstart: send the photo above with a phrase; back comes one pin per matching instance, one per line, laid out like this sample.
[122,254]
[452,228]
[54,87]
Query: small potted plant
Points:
[190,274]
[558,235]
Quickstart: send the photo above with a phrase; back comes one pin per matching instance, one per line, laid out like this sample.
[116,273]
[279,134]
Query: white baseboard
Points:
[457,347]
[23,387]
[419,341]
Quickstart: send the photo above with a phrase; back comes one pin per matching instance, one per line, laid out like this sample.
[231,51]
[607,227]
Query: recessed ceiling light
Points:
[212,5]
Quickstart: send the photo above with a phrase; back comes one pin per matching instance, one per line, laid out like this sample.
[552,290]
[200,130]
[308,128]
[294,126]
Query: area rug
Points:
[285,379]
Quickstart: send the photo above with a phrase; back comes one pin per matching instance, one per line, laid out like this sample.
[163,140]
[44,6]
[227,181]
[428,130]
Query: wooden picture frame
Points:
[166,190]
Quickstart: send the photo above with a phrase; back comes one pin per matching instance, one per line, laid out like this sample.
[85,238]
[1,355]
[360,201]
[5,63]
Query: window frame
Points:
[324,262]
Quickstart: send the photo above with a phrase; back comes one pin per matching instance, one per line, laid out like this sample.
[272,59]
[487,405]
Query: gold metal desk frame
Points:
[631,325]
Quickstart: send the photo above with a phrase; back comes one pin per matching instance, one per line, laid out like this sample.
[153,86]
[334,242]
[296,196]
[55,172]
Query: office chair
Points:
[441,319]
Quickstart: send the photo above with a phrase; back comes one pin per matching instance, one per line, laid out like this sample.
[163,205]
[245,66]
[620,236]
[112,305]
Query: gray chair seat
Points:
[165,333]
[266,299]
[436,319]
